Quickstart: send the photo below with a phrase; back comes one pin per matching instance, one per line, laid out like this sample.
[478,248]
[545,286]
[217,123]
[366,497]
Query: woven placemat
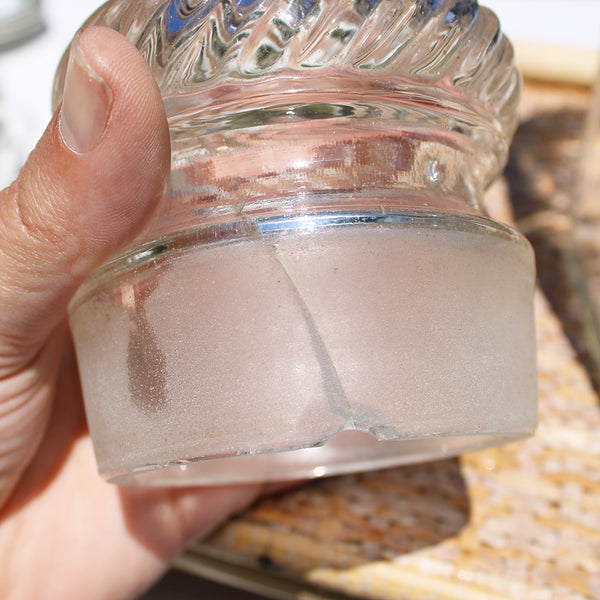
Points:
[517,522]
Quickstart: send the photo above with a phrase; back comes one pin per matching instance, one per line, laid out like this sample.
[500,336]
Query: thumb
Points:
[89,186]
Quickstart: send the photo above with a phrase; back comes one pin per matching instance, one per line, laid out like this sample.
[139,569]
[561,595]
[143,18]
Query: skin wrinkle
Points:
[18,351]
[14,405]
[32,369]
[33,222]
[16,355]
[57,230]
[26,423]
[21,237]
[65,432]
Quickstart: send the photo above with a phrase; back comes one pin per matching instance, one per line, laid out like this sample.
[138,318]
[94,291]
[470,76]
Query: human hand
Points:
[89,186]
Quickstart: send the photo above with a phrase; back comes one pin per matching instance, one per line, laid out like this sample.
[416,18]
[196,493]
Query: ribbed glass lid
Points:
[242,63]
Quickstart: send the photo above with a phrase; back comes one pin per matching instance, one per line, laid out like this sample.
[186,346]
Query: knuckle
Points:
[31,224]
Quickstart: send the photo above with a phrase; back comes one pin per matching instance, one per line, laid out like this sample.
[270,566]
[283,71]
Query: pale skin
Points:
[90,185]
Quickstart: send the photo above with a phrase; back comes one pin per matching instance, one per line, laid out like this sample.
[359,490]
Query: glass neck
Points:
[314,165]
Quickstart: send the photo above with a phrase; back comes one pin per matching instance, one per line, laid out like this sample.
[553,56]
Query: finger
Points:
[88,187]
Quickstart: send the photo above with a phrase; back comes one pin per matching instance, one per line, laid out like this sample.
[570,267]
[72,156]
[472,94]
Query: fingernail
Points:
[86,103]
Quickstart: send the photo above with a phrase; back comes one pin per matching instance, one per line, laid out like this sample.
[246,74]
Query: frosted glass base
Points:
[345,452]
[308,346]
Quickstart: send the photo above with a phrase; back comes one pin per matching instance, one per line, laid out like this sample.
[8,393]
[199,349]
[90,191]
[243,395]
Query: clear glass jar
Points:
[320,291]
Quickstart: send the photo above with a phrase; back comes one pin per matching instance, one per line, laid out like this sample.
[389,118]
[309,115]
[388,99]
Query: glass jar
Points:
[320,290]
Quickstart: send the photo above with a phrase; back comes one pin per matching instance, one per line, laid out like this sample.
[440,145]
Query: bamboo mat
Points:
[517,522]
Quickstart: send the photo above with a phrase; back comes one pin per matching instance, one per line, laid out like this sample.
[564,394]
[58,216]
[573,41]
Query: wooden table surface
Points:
[516,522]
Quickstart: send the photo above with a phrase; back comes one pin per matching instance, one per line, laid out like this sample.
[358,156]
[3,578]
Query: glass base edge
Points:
[346,452]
